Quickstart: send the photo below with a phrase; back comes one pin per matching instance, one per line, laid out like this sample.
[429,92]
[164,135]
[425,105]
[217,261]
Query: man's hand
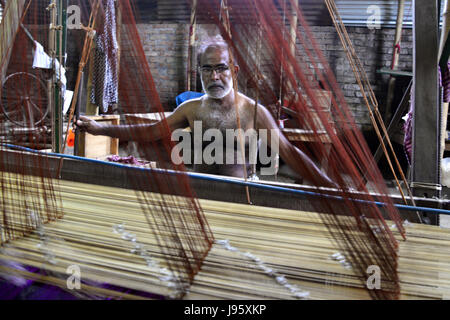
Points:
[84,124]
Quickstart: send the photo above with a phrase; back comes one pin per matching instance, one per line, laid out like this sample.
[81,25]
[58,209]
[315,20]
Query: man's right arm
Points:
[145,132]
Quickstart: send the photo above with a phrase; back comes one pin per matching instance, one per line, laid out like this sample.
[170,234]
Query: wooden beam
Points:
[395,73]
[395,58]
[425,155]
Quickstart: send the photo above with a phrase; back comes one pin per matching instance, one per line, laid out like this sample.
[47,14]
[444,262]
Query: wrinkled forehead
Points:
[214,55]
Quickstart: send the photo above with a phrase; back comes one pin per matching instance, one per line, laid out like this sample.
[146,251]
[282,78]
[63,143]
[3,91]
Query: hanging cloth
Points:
[42,60]
[444,82]
[105,72]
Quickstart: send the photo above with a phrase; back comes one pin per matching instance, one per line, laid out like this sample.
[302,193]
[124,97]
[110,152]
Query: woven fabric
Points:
[445,83]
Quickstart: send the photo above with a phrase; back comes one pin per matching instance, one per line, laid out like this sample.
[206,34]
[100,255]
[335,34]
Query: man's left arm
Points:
[294,157]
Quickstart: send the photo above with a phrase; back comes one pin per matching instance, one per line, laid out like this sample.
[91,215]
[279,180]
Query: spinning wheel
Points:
[24,99]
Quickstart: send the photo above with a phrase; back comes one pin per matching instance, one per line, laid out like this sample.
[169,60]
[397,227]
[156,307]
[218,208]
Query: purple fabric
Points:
[444,81]
[21,289]
[29,290]
[444,78]
[126,160]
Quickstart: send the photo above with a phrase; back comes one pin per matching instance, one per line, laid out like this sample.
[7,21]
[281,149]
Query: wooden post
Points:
[293,31]
[119,39]
[292,41]
[395,58]
[55,113]
[191,64]
[425,155]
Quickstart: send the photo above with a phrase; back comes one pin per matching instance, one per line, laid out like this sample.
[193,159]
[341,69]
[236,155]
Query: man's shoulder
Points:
[246,101]
[249,102]
[190,104]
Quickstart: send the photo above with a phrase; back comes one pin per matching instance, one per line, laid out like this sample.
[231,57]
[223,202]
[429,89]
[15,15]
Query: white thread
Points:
[49,256]
[167,277]
[376,229]
[336,255]
[405,224]
[280,279]
[341,259]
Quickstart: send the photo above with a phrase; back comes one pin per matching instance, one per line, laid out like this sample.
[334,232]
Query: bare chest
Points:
[221,119]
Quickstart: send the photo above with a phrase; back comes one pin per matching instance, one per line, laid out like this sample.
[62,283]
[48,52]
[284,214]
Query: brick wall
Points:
[374,49]
[166,50]
[166,46]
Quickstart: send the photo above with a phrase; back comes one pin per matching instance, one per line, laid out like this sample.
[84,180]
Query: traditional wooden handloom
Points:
[105,234]
[156,239]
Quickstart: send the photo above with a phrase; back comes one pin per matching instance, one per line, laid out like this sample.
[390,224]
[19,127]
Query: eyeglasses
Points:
[221,68]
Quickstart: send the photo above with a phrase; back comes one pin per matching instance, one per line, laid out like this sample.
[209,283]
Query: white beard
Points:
[219,95]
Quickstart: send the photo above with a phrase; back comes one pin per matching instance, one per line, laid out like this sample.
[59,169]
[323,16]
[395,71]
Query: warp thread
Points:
[280,279]
[169,278]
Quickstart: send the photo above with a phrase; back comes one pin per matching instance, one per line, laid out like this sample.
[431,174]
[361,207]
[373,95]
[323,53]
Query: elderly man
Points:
[216,110]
